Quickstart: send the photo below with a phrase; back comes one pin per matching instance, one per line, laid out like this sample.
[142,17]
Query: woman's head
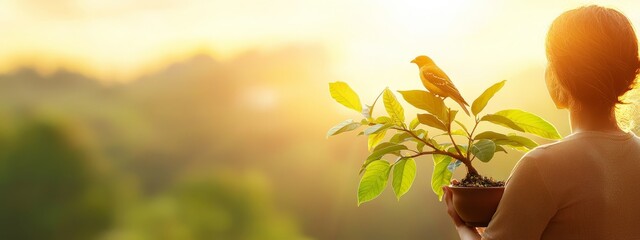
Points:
[593,58]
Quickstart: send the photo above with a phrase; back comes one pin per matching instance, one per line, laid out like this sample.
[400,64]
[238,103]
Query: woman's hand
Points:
[465,232]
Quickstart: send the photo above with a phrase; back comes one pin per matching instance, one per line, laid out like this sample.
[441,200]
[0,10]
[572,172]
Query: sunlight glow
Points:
[123,39]
[260,98]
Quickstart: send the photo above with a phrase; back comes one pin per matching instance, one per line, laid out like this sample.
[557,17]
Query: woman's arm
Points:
[465,232]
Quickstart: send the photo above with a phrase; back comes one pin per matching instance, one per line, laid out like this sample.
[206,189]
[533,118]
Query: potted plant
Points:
[394,145]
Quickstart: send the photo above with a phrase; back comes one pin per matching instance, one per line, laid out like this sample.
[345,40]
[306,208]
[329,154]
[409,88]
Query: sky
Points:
[118,40]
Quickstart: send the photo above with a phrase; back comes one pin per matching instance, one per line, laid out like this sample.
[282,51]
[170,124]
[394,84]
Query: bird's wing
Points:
[437,77]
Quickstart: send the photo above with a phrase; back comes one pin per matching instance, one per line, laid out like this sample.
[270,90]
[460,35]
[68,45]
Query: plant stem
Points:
[454,142]
[422,153]
[471,139]
[465,161]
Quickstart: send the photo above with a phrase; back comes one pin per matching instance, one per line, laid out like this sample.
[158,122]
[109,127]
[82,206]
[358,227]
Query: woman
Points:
[586,186]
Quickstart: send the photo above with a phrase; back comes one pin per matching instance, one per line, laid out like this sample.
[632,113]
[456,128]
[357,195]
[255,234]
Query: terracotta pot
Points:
[476,205]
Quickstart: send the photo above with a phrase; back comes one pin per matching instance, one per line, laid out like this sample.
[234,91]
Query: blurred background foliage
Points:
[169,156]
[188,153]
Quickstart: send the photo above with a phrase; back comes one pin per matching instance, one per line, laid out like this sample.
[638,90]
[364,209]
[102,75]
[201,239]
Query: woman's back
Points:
[586,186]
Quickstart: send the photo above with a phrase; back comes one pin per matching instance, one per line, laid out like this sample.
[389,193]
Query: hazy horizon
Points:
[122,40]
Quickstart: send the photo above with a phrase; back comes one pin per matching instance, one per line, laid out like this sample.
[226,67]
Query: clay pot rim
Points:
[451,186]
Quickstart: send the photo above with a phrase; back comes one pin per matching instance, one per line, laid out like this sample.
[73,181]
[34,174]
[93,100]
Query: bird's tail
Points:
[464,108]
[462,102]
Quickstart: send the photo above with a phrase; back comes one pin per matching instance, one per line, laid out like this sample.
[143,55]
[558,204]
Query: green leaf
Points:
[483,149]
[394,109]
[421,133]
[500,148]
[401,137]
[452,116]
[441,175]
[414,123]
[459,132]
[426,101]
[420,146]
[502,121]
[531,123]
[490,135]
[378,153]
[404,172]
[373,181]
[512,140]
[345,126]
[384,145]
[507,142]
[383,119]
[375,139]
[483,99]
[436,144]
[462,125]
[343,94]
[523,141]
[376,128]
[432,121]
[462,148]
[517,143]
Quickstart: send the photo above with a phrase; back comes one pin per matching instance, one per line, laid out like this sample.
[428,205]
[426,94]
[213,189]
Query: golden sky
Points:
[120,39]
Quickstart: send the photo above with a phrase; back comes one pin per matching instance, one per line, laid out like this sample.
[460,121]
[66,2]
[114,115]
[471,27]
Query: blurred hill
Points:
[194,115]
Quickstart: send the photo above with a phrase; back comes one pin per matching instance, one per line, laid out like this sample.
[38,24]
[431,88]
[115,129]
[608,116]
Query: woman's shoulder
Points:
[554,150]
[548,162]
[578,145]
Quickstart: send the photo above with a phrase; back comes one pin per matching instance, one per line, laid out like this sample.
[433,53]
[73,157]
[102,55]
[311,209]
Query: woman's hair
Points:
[593,55]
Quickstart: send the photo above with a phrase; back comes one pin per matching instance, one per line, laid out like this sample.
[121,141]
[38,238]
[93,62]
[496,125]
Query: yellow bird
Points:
[437,82]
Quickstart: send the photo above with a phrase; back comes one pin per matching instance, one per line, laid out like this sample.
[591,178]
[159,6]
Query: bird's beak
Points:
[413,61]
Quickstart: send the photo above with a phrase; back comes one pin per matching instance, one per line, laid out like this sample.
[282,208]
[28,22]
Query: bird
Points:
[437,82]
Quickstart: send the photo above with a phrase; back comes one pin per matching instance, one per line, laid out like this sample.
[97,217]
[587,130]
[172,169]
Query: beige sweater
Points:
[586,186]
